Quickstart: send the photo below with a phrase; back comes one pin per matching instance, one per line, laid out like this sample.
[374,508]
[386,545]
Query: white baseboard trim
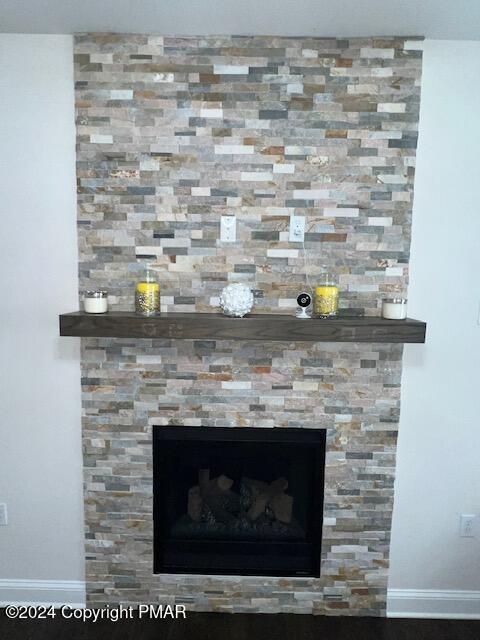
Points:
[42,592]
[401,603]
[433,603]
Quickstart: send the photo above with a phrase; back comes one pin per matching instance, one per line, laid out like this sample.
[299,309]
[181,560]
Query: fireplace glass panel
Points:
[238,500]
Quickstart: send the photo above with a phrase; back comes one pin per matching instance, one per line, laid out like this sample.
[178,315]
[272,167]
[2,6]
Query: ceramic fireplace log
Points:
[270,495]
[221,483]
[194,504]
[282,507]
[213,493]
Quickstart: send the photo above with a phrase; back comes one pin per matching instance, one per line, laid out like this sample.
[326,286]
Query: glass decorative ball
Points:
[236,300]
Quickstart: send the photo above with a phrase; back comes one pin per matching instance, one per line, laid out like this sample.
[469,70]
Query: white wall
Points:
[40,449]
[347,18]
[438,468]
[40,445]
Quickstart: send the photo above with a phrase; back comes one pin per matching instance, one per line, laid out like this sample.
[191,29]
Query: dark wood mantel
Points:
[215,326]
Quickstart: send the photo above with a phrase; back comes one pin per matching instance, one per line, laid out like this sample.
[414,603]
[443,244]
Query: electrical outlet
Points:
[228,229]
[297,228]
[467,525]
[3,514]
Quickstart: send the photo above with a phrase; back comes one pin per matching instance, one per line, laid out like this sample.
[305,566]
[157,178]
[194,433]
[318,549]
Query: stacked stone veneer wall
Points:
[172,133]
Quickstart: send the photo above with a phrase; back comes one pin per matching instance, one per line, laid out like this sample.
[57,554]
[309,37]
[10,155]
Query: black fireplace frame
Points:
[291,554]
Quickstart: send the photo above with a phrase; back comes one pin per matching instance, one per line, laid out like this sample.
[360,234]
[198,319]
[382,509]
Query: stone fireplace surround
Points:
[171,134]
[129,389]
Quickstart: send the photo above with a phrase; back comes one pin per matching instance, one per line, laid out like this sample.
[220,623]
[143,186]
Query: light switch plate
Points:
[228,229]
[297,228]
[3,514]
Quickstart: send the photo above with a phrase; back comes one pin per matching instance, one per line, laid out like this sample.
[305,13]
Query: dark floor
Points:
[213,626]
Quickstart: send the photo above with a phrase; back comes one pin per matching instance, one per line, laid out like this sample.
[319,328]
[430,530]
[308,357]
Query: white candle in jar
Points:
[95,302]
[394,308]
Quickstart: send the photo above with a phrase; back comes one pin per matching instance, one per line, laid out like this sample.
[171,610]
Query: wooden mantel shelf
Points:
[215,326]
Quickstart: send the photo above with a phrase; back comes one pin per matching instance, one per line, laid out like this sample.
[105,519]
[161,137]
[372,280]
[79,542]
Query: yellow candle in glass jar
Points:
[147,298]
[148,287]
[326,300]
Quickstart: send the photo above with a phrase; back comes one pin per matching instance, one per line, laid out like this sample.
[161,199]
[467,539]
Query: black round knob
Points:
[304,300]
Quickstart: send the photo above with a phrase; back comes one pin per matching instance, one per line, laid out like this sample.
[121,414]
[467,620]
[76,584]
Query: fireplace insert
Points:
[238,501]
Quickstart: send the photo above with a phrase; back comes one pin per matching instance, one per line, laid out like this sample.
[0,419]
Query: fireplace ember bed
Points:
[240,501]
